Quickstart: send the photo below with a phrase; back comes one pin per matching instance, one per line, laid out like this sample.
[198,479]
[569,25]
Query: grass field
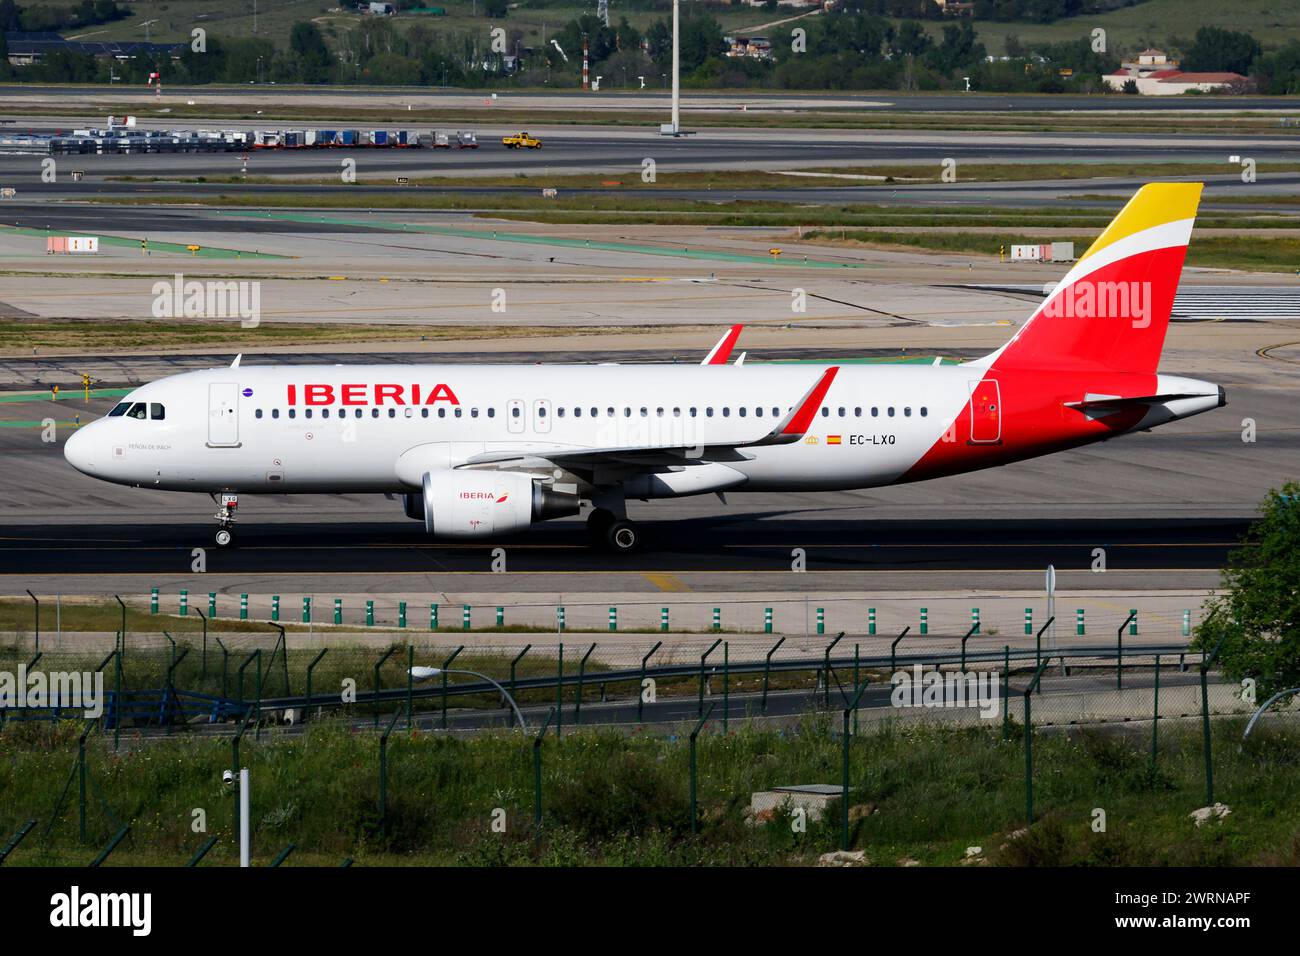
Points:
[916,794]
[864,176]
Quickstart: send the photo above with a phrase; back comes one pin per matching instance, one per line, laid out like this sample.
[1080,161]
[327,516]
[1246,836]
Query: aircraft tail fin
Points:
[1111,311]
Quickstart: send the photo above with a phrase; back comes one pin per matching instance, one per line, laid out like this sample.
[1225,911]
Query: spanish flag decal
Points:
[832,439]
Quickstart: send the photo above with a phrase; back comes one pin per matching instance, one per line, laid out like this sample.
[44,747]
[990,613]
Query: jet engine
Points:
[459,503]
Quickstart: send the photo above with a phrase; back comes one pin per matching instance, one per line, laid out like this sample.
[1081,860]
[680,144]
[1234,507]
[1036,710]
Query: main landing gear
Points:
[226,505]
[613,533]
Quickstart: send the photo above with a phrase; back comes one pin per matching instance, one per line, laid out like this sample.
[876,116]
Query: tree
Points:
[700,39]
[1130,87]
[1257,612]
[496,9]
[912,40]
[1216,50]
[1278,73]
[313,55]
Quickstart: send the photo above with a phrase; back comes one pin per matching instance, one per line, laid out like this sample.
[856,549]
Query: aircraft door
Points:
[223,414]
[985,412]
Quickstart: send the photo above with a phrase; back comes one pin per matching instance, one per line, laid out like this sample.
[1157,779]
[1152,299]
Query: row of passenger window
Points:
[610,412]
[408,412]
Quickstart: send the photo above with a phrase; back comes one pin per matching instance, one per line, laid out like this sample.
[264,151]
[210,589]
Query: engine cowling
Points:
[477,504]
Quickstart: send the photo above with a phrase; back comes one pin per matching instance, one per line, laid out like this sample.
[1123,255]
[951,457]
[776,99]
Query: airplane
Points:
[478,451]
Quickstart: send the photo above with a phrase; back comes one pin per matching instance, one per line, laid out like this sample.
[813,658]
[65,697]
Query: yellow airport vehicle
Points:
[521,141]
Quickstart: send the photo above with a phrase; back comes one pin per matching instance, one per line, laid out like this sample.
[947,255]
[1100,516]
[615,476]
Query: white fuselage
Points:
[261,430]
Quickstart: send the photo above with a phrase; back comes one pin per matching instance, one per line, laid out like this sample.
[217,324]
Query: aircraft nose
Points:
[78,449]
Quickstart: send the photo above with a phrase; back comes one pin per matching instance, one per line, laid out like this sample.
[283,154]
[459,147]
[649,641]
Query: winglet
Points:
[722,351]
[796,424]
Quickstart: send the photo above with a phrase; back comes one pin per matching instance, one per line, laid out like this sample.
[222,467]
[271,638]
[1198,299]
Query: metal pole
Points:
[695,817]
[1205,720]
[245,815]
[699,712]
[1038,644]
[374,704]
[844,782]
[1119,651]
[311,667]
[767,668]
[640,691]
[582,668]
[826,676]
[894,645]
[537,776]
[518,657]
[677,70]
[445,665]
[37,608]
[1155,717]
[559,696]
[383,773]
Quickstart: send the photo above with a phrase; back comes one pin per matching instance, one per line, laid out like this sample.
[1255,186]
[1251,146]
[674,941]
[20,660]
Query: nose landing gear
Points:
[226,505]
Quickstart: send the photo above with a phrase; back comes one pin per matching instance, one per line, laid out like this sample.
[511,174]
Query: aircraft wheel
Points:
[225,538]
[598,521]
[623,536]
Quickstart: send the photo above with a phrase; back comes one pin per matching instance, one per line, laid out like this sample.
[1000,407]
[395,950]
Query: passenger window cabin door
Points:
[223,415]
[542,416]
[515,416]
[985,412]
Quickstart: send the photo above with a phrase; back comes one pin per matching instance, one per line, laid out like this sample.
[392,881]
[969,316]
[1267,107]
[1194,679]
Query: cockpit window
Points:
[137,410]
[119,410]
[157,412]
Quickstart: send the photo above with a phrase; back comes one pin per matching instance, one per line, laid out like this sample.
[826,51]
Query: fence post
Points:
[663,619]
[717,619]
[1132,622]
[1006,687]
[401,614]
[383,773]
[306,610]
[767,620]
[974,620]
[1155,716]
[466,618]
[703,657]
[518,657]
[1205,720]
[185,603]
[201,852]
[433,616]
[410,687]
[370,613]
[338,610]
[537,776]
[767,670]
[559,618]
[726,684]
[17,838]
[1029,745]
[275,607]
[821,620]
[445,665]
[1029,621]
[1187,622]
[559,695]
[112,845]
[374,705]
[871,621]
[925,621]
[844,782]
[613,619]
[243,607]
[582,670]
[695,816]
[1079,627]
[974,629]
[1038,644]
[153,602]
[640,690]
[826,675]
[892,657]
[311,667]
[1119,651]
[212,605]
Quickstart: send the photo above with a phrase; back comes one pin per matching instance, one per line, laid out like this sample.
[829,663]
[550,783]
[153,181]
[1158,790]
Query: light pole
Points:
[428,673]
[677,71]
